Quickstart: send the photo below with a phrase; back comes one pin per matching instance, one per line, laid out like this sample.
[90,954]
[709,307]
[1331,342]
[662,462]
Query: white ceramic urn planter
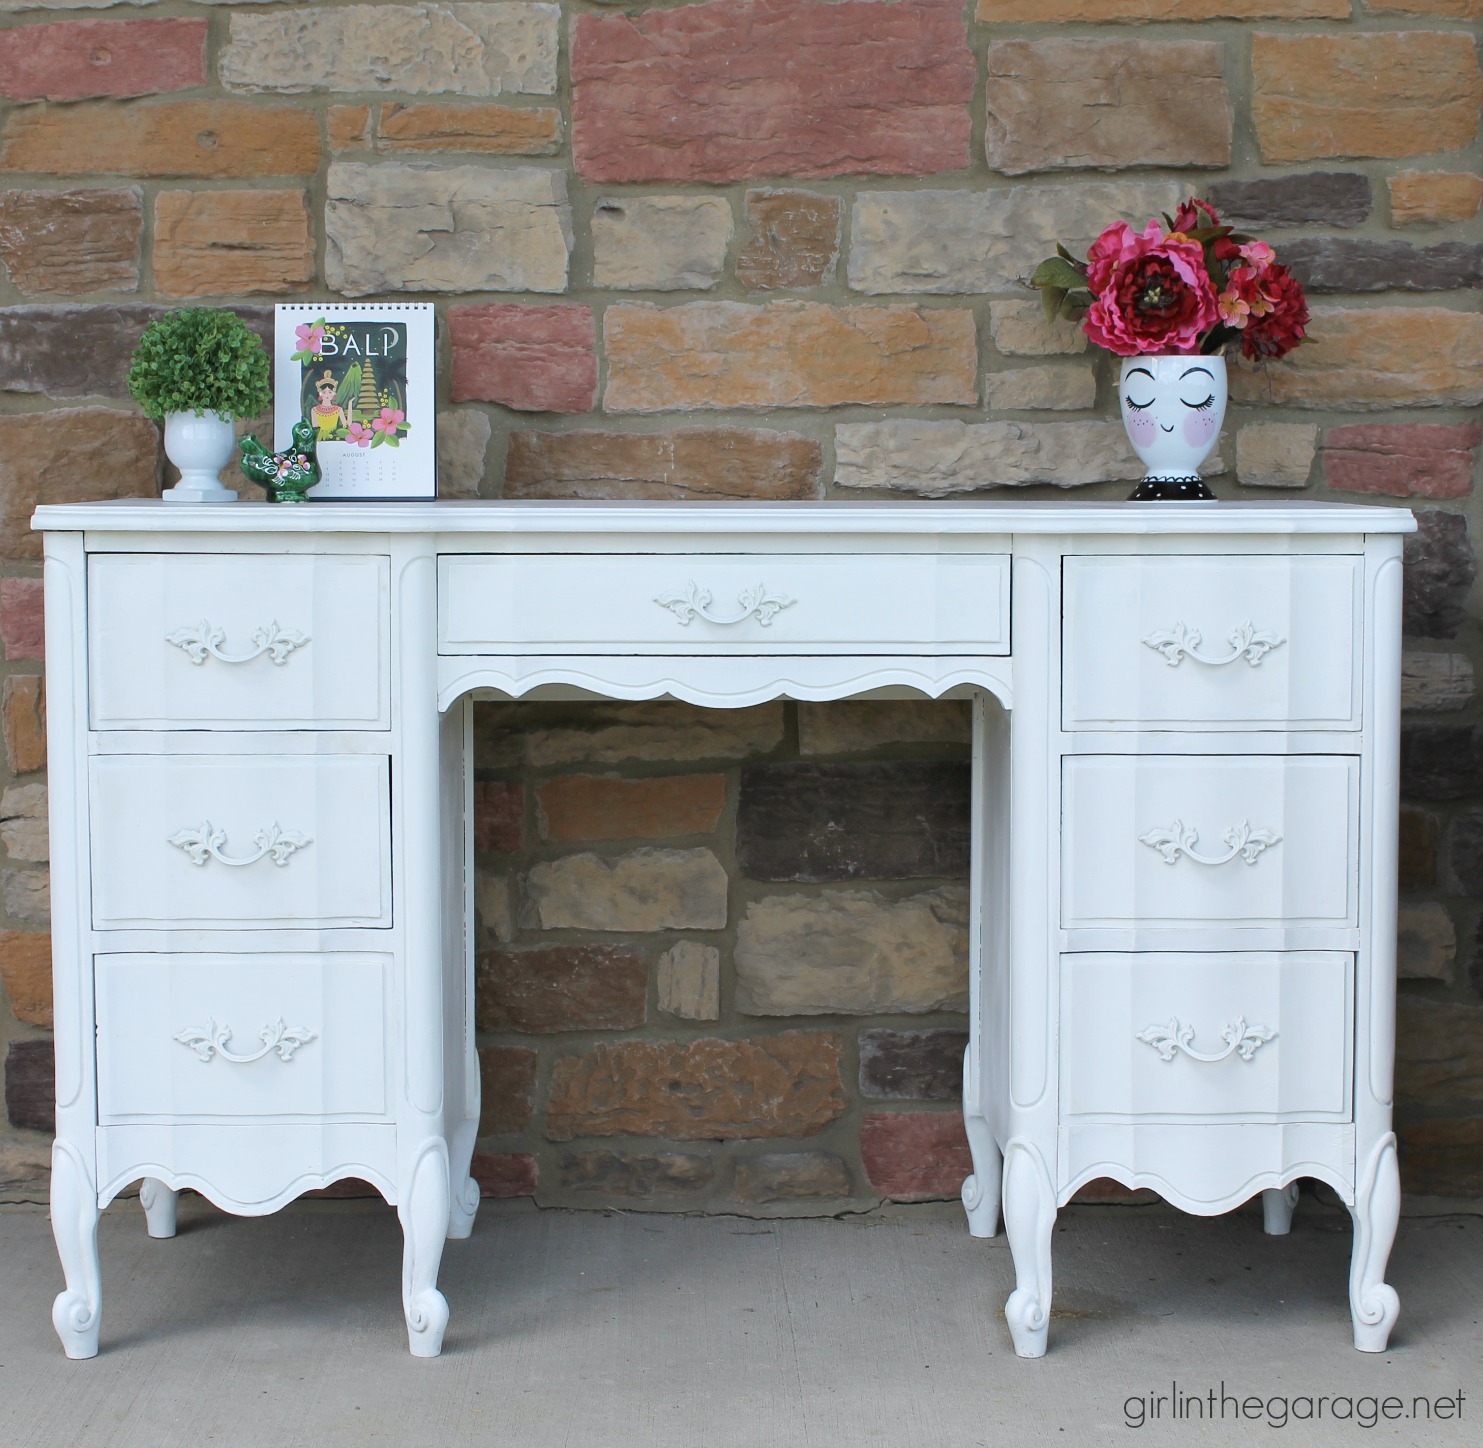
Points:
[1173,408]
[200,446]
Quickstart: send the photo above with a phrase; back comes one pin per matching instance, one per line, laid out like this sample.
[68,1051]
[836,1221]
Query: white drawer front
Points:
[1156,840]
[730,603]
[238,641]
[246,1037]
[1253,1036]
[1243,642]
[246,840]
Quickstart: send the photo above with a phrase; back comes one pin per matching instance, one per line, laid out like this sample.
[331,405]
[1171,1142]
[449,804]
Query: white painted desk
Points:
[1183,893]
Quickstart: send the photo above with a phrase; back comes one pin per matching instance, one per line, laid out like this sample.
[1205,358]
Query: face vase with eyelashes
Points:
[1173,408]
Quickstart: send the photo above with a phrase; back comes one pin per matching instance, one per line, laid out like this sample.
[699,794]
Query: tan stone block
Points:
[25,1170]
[1058,103]
[1439,1051]
[1426,942]
[1421,197]
[647,889]
[1435,683]
[70,455]
[465,49]
[1443,1157]
[858,726]
[787,1176]
[596,807]
[690,981]
[1020,329]
[421,227]
[853,952]
[660,243]
[1041,12]
[507,1077]
[463,443]
[693,462]
[787,354]
[1451,9]
[989,239]
[161,138]
[25,967]
[615,733]
[1276,454]
[218,243]
[24,712]
[785,1085]
[795,240]
[26,894]
[1396,93]
[940,459]
[1374,358]
[489,130]
[348,128]
[1053,387]
[23,821]
[64,243]
[492,907]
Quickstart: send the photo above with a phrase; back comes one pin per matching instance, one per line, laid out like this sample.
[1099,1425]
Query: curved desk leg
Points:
[423,1211]
[1373,1303]
[463,1189]
[1029,1216]
[159,1203]
[78,1310]
[1277,1209]
[981,1190]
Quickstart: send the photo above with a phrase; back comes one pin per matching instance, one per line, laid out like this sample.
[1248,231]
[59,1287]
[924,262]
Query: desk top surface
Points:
[701,518]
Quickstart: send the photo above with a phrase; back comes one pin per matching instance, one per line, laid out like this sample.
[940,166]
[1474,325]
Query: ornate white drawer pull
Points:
[206,638]
[1241,1040]
[695,601]
[204,843]
[1181,642]
[211,1040]
[1180,839]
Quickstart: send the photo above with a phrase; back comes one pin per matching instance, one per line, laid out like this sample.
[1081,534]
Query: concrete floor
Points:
[599,1330]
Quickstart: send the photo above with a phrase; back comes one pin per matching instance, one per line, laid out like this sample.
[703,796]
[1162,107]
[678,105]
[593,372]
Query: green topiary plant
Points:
[200,360]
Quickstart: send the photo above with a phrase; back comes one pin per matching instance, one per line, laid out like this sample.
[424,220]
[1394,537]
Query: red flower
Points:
[1195,214]
[1279,330]
[1152,292]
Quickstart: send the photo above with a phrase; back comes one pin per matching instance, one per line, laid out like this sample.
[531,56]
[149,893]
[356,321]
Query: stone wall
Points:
[774,249]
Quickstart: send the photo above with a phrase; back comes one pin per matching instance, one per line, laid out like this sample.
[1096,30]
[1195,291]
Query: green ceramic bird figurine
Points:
[284,476]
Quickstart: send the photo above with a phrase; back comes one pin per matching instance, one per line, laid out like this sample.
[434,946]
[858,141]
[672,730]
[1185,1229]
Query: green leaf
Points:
[1074,307]
[1062,252]
[1051,300]
[1056,271]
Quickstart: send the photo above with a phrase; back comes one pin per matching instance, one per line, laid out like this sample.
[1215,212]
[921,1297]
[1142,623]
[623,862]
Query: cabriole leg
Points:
[425,1218]
[1277,1209]
[463,1189]
[981,1190]
[1373,1303]
[77,1311]
[1029,1216]
[158,1202]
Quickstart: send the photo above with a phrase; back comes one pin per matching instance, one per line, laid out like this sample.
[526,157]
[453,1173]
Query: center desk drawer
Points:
[1192,1035]
[238,641]
[247,841]
[1218,642]
[1196,840]
[243,1037]
[894,603]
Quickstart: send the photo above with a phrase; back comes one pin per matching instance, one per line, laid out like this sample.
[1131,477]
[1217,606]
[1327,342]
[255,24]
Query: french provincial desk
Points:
[1182,927]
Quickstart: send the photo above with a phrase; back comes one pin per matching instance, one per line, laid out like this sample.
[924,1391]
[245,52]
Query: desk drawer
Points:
[900,603]
[238,641]
[1242,642]
[248,840]
[241,1037]
[1251,1036]
[1224,841]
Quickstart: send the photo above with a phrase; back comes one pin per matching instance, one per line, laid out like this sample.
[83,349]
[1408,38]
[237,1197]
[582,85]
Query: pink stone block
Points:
[73,60]
[737,89]
[22,622]
[531,358]
[1402,460]
[913,1156]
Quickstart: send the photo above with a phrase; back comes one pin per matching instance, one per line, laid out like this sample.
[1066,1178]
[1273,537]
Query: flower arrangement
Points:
[1185,287]
[200,360]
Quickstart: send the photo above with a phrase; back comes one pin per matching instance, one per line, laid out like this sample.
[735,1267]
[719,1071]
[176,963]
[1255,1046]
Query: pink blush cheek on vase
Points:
[1199,428]
[1143,430]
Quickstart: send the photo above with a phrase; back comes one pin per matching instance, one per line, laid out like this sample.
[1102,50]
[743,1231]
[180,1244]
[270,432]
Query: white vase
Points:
[200,447]
[1173,408]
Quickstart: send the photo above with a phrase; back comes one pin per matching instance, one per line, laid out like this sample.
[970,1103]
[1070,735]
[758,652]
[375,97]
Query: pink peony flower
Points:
[359,434]
[1152,292]
[389,420]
